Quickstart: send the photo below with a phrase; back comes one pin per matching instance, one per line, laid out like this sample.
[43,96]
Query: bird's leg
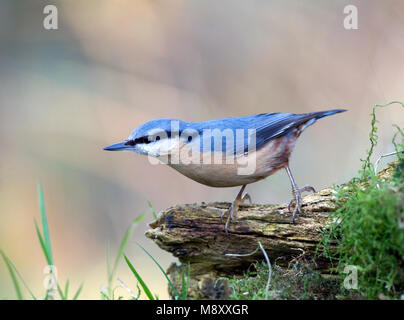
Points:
[297,194]
[235,205]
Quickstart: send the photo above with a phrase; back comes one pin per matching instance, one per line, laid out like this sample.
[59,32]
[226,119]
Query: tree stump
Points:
[194,233]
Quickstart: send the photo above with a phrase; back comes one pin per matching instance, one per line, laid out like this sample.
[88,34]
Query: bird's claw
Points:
[230,213]
[246,197]
[233,209]
[297,193]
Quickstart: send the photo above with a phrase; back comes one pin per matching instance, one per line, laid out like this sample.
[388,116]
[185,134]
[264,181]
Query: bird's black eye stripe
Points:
[140,140]
[145,139]
[130,143]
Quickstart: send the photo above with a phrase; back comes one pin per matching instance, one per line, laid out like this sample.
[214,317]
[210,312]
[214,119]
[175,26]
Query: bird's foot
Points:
[231,212]
[297,199]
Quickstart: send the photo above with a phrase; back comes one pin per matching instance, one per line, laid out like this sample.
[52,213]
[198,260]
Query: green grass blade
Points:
[67,288]
[140,280]
[162,270]
[183,285]
[152,210]
[124,242]
[139,218]
[42,242]
[62,296]
[188,277]
[76,295]
[12,275]
[22,280]
[45,227]
[104,296]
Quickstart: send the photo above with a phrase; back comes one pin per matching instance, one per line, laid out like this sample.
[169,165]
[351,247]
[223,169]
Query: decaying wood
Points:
[195,235]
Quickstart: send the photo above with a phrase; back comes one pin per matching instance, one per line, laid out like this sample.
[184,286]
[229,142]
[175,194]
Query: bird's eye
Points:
[189,138]
[157,138]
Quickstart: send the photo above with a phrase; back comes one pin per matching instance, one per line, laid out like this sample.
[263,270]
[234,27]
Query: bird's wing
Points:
[255,130]
[269,126]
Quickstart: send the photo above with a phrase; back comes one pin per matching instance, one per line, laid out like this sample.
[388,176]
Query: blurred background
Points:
[112,65]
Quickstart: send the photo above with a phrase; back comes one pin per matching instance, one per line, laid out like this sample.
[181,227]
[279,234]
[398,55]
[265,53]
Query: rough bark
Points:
[195,235]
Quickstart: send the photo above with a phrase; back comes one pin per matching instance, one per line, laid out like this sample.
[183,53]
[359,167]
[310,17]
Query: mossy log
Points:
[195,234]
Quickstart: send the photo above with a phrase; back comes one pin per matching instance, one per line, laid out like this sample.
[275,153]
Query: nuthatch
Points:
[226,152]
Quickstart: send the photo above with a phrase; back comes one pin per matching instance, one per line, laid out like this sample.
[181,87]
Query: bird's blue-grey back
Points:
[265,127]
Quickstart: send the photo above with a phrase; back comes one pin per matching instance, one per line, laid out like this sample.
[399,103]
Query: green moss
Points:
[367,227]
[369,236]
[297,282]
[398,175]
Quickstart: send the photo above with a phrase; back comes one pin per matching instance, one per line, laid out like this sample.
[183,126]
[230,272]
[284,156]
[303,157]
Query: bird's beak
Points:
[118,147]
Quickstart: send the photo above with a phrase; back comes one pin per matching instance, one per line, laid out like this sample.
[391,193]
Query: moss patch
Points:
[370,236]
[297,282]
[369,225]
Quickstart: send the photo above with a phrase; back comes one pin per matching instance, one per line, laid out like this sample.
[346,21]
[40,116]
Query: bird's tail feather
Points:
[309,118]
[322,114]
